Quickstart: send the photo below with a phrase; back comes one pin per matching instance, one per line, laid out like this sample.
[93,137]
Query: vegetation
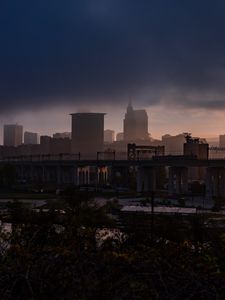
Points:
[68,253]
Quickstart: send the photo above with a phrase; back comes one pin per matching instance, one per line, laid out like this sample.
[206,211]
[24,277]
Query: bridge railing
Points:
[216,153]
[112,155]
[103,156]
[43,157]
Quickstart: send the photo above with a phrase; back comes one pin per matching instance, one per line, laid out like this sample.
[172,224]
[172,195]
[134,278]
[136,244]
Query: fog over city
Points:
[59,58]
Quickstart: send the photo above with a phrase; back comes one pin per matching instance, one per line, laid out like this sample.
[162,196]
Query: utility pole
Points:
[152,215]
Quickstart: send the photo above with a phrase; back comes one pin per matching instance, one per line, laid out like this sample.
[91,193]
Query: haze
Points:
[168,56]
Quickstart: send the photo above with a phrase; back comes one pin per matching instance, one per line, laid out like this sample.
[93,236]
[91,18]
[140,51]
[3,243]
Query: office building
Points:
[120,137]
[109,136]
[30,138]
[13,135]
[222,141]
[174,144]
[60,146]
[135,125]
[54,146]
[196,148]
[87,133]
[45,142]
[199,149]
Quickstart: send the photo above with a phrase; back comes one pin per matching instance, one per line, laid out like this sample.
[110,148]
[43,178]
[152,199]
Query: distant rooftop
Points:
[140,112]
[87,113]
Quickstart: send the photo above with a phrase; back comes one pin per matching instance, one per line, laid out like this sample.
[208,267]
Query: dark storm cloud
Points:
[167,51]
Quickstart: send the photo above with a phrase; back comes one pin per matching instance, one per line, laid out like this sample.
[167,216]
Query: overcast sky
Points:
[57,57]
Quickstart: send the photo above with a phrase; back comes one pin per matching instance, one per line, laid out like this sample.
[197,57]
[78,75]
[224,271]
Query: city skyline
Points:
[167,56]
[160,122]
[112,149]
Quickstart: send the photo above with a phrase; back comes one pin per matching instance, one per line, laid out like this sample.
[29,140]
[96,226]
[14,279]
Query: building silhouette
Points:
[120,136]
[54,146]
[30,138]
[87,133]
[45,142]
[109,136]
[222,141]
[62,135]
[199,148]
[174,144]
[196,147]
[13,135]
[135,124]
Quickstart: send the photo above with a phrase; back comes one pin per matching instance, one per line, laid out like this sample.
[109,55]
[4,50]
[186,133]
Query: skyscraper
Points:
[87,133]
[135,124]
[13,135]
[141,119]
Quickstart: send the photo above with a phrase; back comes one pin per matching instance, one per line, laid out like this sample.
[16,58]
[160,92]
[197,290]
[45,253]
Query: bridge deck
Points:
[156,161]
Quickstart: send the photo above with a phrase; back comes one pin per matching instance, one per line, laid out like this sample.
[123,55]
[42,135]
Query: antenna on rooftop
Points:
[130,102]
[129,106]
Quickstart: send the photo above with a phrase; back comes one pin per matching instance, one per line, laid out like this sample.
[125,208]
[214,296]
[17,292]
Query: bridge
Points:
[72,169]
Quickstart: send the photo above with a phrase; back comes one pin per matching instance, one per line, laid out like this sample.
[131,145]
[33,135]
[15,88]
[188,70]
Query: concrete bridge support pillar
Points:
[87,176]
[43,173]
[18,172]
[218,182]
[80,176]
[59,175]
[171,181]
[184,180]
[139,180]
[208,184]
[25,173]
[53,175]
[47,171]
[222,182]
[142,182]
[75,175]
[152,177]
[31,173]
[146,180]
[110,175]
[178,180]
[63,175]
[102,175]
[93,176]
[83,175]
[215,182]
[113,174]
[67,175]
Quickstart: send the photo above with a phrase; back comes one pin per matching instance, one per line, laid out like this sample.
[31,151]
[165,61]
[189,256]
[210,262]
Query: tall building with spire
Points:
[129,123]
[135,124]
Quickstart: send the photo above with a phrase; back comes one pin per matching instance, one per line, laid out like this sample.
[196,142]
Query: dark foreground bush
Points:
[68,261]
